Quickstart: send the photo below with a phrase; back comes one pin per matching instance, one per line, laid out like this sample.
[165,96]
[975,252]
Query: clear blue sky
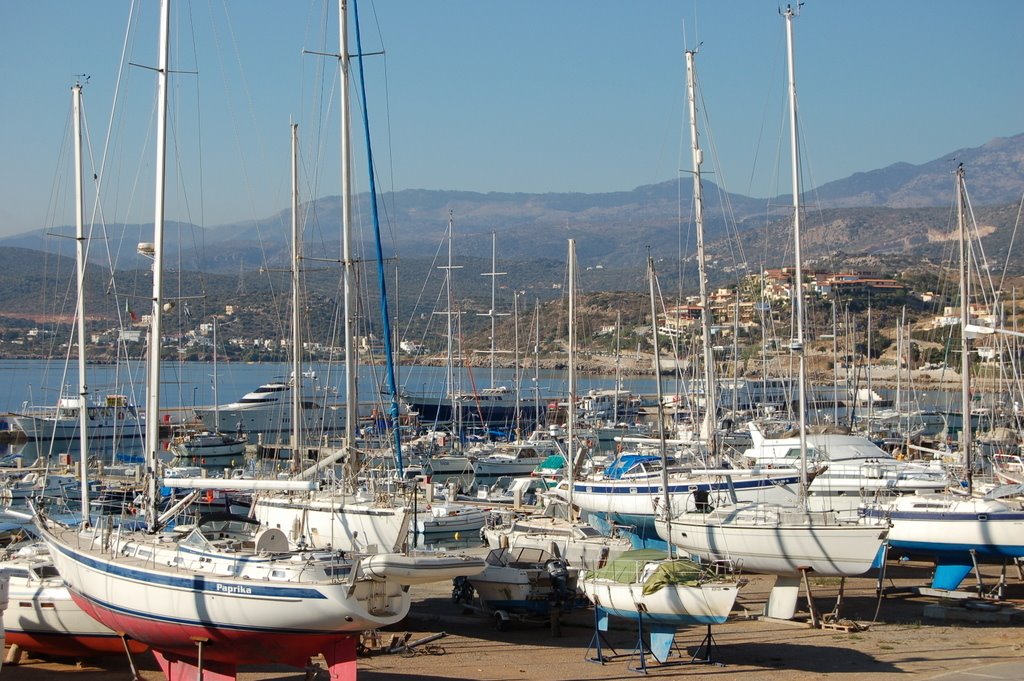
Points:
[528,96]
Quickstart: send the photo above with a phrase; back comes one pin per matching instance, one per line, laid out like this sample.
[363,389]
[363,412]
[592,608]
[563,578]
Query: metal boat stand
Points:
[997,591]
[600,626]
[710,648]
[128,652]
[641,648]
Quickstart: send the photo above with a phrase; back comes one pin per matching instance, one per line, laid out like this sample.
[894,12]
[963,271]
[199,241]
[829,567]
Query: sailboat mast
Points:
[965,342]
[153,358]
[797,345]
[618,367]
[517,372]
[450,378]
[835,368]
[710,392]
[348,263]
[871,401]
[216,404]
[492,313]
[83,387]
[661,404]
[536,353]
[571,417]
[296,435]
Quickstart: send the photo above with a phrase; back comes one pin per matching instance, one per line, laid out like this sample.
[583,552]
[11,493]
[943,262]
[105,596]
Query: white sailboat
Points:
[225,591]
[782,539]
[957,529]
[652,587]
[339,515]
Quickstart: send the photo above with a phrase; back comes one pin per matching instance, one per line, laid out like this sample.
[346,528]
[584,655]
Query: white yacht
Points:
[851,468]
[266,412]
[114,417]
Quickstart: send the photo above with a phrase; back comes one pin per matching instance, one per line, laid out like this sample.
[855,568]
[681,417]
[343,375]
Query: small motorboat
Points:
[523,581]
[450,518]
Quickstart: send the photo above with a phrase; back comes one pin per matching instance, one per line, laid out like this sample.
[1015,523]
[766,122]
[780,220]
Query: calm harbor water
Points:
[191,384]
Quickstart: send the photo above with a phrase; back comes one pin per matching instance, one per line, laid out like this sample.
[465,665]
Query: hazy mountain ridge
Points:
[889,210]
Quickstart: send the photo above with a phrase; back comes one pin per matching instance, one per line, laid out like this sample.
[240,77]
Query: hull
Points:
[420,569]
[583,553]
[523,580]
[132,587]
[333,520]
[635,502]
[274,422]
[490,409]
[518,590]
[774,543]
[672,605]
[451,519]
[236,647]
[43,428]
[952,527]
[496,468]
[45,620]
[208,450]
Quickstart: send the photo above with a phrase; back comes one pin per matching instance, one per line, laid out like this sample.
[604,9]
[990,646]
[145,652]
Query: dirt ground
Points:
[901,640]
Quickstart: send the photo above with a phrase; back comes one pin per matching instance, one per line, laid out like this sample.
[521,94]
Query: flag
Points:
[128,310]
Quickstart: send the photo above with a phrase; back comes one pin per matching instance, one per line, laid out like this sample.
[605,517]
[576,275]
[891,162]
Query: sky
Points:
[525,96]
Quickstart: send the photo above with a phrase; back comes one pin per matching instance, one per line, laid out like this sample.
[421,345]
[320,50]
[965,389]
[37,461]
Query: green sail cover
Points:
[629,566]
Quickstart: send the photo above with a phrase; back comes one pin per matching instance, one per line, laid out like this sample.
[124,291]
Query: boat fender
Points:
[503,541]
[208,496]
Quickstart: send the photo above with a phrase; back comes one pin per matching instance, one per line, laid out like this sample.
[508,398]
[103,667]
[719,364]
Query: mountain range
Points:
[900,209]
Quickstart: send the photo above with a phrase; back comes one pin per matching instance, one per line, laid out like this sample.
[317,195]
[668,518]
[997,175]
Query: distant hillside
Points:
[898,209]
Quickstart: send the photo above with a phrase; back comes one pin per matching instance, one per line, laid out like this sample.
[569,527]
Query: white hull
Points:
[273,423]
[644,497]
[209,450]
[451,518]
[948,524]
[671,605]
[42,618]
[413,569]
[519,580]
[496,467]
[585,549]
[334,520]
[768,539]
[43,428]
[165,594]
